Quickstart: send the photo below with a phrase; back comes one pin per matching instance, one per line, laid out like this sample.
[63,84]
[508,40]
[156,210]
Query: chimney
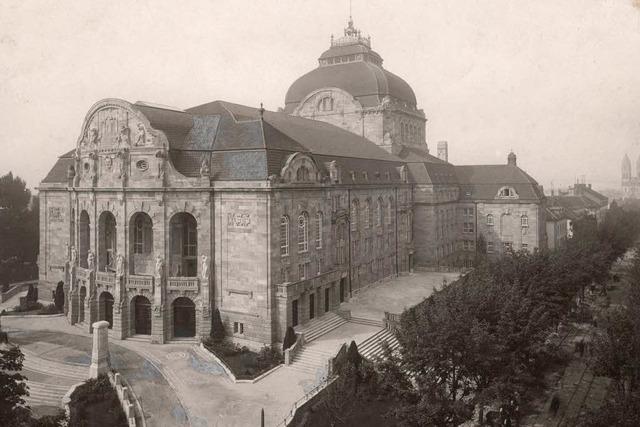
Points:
[443,151]
[511,159]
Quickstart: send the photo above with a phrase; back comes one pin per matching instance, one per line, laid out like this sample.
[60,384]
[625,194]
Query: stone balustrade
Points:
[391,321]
[297,288]
[183,284]
[139,282]
[105,278]
[128,400]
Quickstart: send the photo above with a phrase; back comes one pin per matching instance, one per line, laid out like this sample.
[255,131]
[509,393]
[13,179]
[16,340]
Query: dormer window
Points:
[507,192]
[302,174]
[325,104]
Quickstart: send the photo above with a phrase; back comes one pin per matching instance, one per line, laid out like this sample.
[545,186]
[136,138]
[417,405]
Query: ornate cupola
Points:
[351,47]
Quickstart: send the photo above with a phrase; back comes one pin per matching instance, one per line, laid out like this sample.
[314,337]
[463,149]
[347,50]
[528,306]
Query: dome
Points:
[351,65]
[365,81]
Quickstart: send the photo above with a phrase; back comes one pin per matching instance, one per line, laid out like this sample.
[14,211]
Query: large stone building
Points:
[160,215]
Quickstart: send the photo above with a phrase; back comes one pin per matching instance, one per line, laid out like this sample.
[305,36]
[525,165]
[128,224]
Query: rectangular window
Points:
[525,246]
[489,247]
[319,230]
[508,246]
[301,271]
[238,328]
[468,227]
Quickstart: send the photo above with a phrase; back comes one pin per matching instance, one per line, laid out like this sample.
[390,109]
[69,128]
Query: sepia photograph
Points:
[304,213]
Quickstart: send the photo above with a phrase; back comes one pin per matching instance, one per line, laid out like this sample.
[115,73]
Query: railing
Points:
[296,347]
[183,284]
[292,287]
[391,321]
[139,282]
[105,278]
[304,399]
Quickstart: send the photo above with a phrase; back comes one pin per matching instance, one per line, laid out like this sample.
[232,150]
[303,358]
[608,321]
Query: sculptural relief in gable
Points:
[118,147]
[300,169]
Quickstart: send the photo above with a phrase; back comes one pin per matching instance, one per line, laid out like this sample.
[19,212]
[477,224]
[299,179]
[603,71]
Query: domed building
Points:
[352,90]
[159,215]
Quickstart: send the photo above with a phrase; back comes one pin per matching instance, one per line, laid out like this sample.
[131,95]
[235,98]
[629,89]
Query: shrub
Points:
[217,328]
[4,338]
[289,338]
[95,403]
[353,356]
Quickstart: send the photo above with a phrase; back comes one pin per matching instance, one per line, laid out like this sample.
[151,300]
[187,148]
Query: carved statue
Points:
[159,267]
[124,139]
[73,256]
[160,157]
[91,260]
[119,265]
[204,272]
[204,167]
[93,136]
[119,169]
[141,137]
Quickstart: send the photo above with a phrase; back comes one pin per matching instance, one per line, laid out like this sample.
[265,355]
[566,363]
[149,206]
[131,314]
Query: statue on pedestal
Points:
[119,266]
[204,271]
[159,270]
[91,260]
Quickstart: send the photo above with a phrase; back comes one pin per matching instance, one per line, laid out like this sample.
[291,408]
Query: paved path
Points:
[395,295]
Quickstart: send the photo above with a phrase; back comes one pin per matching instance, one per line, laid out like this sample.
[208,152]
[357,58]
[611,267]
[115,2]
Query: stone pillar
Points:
[100,353]
[157,315]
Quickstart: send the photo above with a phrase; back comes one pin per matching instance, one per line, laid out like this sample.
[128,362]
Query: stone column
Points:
[100,354]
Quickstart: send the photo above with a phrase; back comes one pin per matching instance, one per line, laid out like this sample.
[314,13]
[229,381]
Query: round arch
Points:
[183,244]
[106,241]
[84,238]
[141,244]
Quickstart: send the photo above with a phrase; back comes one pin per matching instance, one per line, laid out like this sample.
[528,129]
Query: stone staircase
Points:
[37,364]
[311,360]
[365,321]
[139,338]
[372,349]
[42,394]
[320,326]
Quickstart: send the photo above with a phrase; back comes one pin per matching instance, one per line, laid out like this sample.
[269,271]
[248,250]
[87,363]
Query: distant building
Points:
[558,227]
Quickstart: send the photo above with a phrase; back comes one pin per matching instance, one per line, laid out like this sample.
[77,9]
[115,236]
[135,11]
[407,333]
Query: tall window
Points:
[284,235]
[303,232]
[302,174]
[325,104]
[138,237]
[189,240]
[367,213]
[379,213]
[524,221]
[389,210]
[354,215]
[319,230]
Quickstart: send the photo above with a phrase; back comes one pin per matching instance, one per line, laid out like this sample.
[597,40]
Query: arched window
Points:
[325,104]
[319,230]
[303,232]
[390,211]
[367,213]
[379,213]
[524,221]
[184,245]
[354,215]
[302,174]
[284,235]
[490,220]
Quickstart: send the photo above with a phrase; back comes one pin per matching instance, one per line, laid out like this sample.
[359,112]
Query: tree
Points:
[217,327]
[13,388]
[289,338]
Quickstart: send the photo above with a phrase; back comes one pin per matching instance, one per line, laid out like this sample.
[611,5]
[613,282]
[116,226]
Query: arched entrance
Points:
[58,296]
[83,296]
[105,307]
[85,238]
[141,315]
[184,318]
[106,241]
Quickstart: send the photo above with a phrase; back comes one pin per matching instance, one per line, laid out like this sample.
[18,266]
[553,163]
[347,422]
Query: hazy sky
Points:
[556,81]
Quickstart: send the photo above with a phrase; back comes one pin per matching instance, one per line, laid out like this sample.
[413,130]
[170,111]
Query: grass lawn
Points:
[244,363]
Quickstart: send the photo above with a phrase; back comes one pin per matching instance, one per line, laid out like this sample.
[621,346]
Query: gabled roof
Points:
[482,182]
[58,173]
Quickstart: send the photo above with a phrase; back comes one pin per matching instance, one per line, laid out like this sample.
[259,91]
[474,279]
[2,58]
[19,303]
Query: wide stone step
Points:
[50,367]
[45,394]
[365,321]
[139,338]
[323,329]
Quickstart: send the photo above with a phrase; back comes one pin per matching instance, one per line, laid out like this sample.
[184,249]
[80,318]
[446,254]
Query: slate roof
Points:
[367,82]
[482,182]
[58,173]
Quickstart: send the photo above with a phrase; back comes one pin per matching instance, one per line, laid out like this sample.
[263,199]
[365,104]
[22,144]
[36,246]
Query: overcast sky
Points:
[556,81]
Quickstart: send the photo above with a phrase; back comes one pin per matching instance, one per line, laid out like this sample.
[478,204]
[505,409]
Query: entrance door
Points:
[184,318]
[106,303]
[83,296]
[327,300]
[341,290]
[294,312]
[312,306]
[142,315]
